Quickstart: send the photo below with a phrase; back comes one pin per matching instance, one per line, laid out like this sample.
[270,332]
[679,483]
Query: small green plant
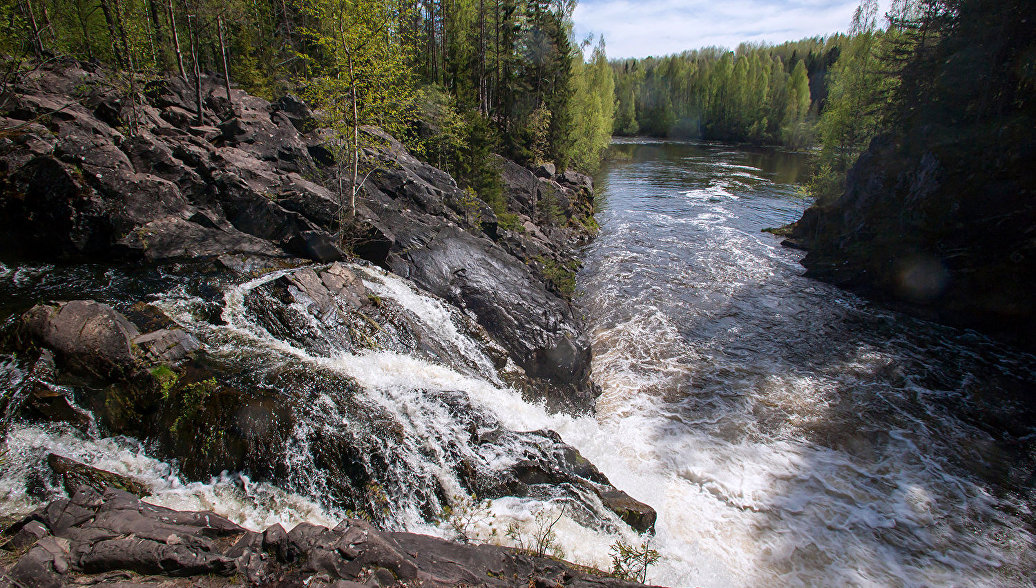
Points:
[631,562]
[510,221]
[550,209]
[588,223]
[166,379]
[192,398]
[466,515]
[472,206]
[562,276]
[541,540]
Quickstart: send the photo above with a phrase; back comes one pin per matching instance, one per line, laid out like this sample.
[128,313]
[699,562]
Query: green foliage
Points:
[562,276]
[538,537]
[857,103]
[166,379]
[631,562]
[593,109]
[470,203]
[510,221]
[500,75]
[759,93]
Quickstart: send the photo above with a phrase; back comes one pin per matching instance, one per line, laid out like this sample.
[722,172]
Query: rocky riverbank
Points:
[90,174]
[112,538]
[234,211]
[923,227]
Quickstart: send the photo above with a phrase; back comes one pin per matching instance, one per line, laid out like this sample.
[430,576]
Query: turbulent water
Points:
[786,431]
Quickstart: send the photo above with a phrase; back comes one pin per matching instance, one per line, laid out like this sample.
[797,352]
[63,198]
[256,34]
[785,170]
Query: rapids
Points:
[787,432]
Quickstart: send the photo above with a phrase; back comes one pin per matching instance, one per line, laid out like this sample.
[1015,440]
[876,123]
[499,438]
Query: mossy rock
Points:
[74,474]
[211,424]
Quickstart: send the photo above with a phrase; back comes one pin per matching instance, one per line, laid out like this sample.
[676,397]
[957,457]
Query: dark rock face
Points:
[94,537]
[249,183]
[539,329]
[927,231]
[74,474]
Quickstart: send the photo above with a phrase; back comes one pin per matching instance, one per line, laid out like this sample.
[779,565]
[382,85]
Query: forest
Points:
[454,80]
[457,80]
[837,93]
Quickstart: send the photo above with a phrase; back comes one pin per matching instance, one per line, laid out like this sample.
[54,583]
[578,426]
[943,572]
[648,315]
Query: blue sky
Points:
[638,28]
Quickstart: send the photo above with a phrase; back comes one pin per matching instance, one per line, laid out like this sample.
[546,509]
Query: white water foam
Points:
[392,381]
[252,505]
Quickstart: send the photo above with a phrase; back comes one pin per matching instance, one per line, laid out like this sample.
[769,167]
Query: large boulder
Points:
[87,334]
[94,338]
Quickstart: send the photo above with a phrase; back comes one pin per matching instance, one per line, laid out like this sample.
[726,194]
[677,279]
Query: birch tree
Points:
[359,76]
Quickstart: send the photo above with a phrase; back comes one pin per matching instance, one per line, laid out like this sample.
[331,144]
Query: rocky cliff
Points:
[937,227]
[127,196]
[93,173]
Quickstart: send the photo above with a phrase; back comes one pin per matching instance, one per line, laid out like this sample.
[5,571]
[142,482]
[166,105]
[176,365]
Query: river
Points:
[787,432]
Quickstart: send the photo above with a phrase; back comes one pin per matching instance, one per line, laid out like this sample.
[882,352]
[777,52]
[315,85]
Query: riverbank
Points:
[183,284]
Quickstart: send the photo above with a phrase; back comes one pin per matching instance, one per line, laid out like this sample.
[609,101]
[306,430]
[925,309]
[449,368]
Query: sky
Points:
[639,28]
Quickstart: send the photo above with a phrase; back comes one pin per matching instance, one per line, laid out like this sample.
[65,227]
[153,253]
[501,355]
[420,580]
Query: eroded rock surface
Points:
[250,183]
[112,536]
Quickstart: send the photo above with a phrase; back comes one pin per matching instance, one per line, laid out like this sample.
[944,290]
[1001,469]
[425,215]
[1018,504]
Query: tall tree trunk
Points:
[226,67]
[46,21]
[176,39]
[288,27]
[122,35]
[37,43]
[192,34]
[354,172]
[161,55]
[483,101]
[113,32]
[85,29]
[150,33]
[496,90]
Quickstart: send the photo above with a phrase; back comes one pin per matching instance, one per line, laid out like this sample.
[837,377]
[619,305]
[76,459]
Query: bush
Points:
[631,562]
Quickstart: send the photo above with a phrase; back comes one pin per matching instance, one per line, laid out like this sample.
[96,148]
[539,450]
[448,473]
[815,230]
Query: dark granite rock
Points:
[122,534]
[87,334]
[74,474]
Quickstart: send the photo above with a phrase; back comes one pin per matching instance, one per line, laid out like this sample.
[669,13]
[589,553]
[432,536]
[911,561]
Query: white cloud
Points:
[661,27]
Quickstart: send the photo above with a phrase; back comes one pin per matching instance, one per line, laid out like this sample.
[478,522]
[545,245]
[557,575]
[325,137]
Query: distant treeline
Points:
[764,94]
[841,91]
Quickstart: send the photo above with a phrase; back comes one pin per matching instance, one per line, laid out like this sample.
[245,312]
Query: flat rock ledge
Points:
[115,539]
